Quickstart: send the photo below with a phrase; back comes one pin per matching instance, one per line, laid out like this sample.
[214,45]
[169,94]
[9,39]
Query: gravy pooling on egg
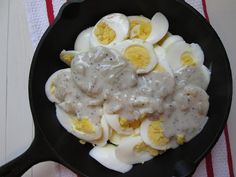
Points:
[132,84]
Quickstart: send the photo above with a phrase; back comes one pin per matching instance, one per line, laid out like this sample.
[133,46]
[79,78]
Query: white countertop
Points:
[16,127]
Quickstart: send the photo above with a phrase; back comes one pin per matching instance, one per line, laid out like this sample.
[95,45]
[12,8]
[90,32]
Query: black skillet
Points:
[52,142]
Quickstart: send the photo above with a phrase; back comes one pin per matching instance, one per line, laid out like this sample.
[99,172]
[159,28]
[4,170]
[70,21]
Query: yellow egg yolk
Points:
[159,68]
[125,123]
[155,133]
[143,147]
[82,142]
[180,138]
[52,88]
[138,56]
[115,137]
[140,29]
[129,124]
[83,125]
[67,57]
[163,39]
[187,59]
[104,33]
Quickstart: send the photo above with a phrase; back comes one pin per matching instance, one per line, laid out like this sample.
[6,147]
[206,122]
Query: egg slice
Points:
[163,65]
[133,150]
[106,156]
[114,122]
[149,30]
[171,40]
[152,134]
[68,56]
[140,27]
[83,128]
[105,133]
[139,54]
[117,138]
[50,86]
[82,42]
[181,54]
[110,29]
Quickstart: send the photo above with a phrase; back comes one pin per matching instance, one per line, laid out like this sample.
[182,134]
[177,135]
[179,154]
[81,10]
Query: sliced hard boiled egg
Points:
[82,42]
[152,134]
[140,27]
[68,56]
[117,138]
[171,40]
[83,128]
[181,54]
[114,121]
[139,54]
[160,26]
[105,135]
[106,156]
[162,65]
[110,29]
[133,150]
[50,87]
[149,30]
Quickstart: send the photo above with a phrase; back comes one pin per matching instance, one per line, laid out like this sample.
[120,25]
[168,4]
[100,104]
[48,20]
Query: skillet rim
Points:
[187,7]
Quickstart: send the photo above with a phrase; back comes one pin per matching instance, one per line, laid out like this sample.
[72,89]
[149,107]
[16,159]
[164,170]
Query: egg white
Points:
[126,153]
[106,156]
[105,135]
[161,55]
[82,42]
[171,40]
[160,26]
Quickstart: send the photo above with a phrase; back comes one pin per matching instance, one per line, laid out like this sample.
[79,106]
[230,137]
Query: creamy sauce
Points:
[188,115]
[102,82]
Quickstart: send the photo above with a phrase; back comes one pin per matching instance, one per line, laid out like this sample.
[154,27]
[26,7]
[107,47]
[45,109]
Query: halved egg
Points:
[106,156]
[171,40]
[82,128]
[181,54]
[82,42]
[50,87]
[139,54]
[149,30]
[106,133]
[110,29]
[117,124]
[133,150]
[163,65]
[68,56]
[153,135]
[140,27]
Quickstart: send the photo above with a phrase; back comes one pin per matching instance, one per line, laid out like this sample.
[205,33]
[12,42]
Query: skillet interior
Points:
[185,21]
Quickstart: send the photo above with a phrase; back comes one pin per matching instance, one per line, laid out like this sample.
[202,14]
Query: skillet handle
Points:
[39,151]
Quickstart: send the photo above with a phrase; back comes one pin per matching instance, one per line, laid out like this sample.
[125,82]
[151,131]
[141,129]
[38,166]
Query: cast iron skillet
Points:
[52,142]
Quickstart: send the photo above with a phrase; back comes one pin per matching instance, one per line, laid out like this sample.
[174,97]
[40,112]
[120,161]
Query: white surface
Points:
[16,128]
